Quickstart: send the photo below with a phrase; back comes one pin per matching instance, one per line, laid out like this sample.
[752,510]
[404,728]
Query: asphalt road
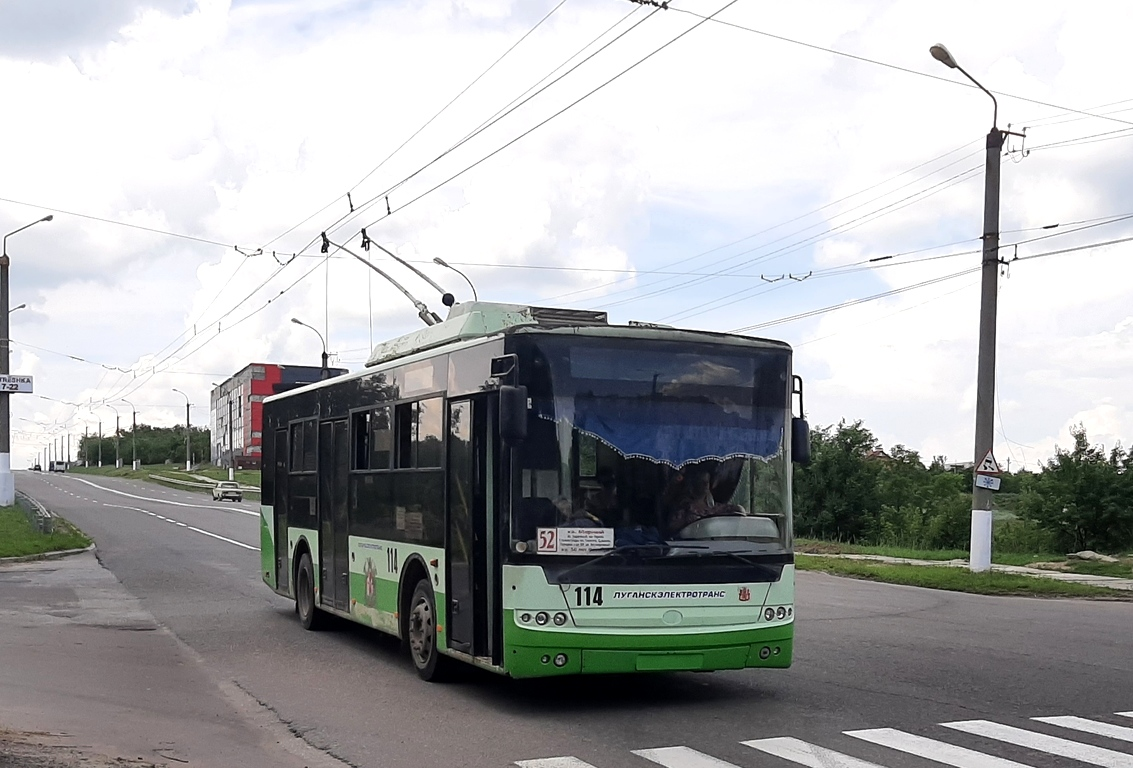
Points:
[868,657]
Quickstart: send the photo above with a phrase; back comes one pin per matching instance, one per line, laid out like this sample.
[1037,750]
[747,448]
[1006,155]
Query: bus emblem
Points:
[745,594]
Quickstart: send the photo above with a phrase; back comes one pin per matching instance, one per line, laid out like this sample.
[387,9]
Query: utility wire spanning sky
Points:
[807,172]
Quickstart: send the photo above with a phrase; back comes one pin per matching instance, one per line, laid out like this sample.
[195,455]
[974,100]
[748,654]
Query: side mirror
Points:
[513,414]
[800,441]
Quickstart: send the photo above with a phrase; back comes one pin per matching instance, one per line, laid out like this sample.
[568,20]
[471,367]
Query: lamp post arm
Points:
[994,103]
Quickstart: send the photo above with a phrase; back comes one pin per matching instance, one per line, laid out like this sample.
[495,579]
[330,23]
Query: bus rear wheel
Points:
[422,631]
[309,615]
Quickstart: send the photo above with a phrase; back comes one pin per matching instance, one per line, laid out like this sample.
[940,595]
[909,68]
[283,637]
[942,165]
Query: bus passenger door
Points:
[470,579]
[279,506]
[333,472]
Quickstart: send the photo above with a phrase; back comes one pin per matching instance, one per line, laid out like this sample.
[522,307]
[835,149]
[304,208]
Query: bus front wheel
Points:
[422,626]
[309,615]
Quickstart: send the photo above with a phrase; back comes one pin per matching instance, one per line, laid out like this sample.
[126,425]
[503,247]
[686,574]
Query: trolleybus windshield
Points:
[646,448]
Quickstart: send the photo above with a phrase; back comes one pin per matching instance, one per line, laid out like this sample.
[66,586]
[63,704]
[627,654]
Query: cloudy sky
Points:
[736,173]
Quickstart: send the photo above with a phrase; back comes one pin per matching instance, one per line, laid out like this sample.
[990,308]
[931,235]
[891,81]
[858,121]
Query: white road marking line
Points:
[1090,726]
[222,538]
[1084,753]
[190,527]
[165,501]
[553,762]
[681,757]
[949,754]
[809,755]
[1124,714]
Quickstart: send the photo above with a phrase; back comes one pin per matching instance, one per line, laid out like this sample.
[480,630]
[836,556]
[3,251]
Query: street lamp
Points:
[188,455]
[979,558]
[20,306]
[7,484]
[117,427]
[324,372]
[133,432]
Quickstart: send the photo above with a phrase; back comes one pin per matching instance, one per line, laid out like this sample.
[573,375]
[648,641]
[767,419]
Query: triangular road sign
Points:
[989,466]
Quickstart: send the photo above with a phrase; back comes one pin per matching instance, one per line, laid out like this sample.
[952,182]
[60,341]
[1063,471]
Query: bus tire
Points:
[309,614]
[422,633]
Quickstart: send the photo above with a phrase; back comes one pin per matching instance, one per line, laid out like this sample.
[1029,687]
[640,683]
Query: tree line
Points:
[854,491]
[155,445]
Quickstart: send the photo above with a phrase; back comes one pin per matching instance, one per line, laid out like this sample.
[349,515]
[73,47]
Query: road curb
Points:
[56,555]
[1108,582]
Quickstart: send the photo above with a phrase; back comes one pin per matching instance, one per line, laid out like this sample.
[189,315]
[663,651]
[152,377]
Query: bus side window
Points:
[381,438]
[405,427]
[302,438]
[360,430]
[418,434]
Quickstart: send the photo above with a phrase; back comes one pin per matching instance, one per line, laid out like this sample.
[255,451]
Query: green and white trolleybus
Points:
[538,492]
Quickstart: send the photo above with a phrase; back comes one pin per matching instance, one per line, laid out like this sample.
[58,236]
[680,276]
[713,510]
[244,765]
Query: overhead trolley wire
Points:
[511,108]
[906,70]
[931,281]
[829,232]
[414,135]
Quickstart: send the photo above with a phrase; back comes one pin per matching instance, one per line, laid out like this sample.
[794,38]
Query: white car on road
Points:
[226,489]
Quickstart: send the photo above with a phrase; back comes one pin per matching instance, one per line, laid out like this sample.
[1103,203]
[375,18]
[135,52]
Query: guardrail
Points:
[38,515]
[189,483]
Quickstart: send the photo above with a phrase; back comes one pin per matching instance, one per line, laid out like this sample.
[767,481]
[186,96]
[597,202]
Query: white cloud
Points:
[234,122]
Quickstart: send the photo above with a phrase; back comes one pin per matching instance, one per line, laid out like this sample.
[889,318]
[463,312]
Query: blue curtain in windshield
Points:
[674,432]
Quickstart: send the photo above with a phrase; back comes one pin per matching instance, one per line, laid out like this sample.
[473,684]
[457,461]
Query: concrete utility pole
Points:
[231,445]
[188,428]
[117,427]
[133,432]
[980,543]
[7,482]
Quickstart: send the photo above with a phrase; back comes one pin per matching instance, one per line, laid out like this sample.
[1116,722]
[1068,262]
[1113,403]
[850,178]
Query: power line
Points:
[507,111]
[900,68]
[931,281]
[414,135]
[104,220]
[776,226]
[854,302]
[832,231]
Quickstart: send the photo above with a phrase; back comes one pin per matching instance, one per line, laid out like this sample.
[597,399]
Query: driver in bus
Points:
[601,503]
[690,498]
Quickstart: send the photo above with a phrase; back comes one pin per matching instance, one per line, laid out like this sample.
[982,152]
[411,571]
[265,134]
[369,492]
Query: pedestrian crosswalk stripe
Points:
[681,757]
[938,751]
[1084,753]
[806,754]
[1090,726]
[813,756]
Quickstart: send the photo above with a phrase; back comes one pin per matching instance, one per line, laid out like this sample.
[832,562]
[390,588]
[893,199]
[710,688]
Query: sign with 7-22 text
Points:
[15,383]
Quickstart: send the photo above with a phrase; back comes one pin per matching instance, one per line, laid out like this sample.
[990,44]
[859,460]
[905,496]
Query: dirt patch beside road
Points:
[22,749]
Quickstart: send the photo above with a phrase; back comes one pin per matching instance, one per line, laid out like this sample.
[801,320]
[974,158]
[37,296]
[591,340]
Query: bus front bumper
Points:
[545,653]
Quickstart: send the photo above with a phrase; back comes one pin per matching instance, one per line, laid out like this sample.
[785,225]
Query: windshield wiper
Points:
[729,552]
[658,550]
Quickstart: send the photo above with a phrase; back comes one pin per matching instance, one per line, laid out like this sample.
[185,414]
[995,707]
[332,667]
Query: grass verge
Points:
[1123,569]
[956,579]
[243,476]
[819,546]
[18,537]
